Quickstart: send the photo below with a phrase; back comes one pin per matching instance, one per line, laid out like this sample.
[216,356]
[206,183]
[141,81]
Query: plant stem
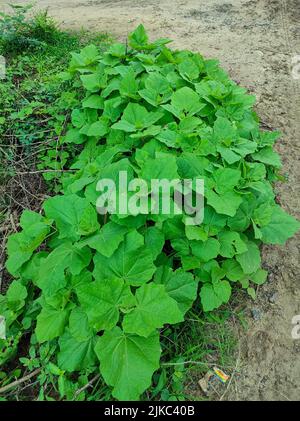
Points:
[22,380]
[89,384]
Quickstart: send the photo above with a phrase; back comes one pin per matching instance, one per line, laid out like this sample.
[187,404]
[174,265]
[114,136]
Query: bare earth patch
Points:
[255,41]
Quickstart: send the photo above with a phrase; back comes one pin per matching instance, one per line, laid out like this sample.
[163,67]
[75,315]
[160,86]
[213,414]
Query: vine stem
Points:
[89,384]
[22,380]
[41,171]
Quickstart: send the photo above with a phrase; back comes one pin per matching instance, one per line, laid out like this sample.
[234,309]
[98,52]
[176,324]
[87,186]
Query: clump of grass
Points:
[20,32]
[44,28]
[191,350]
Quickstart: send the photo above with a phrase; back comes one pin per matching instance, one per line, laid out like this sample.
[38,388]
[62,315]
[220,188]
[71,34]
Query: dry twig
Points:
[89,384]
[19,381]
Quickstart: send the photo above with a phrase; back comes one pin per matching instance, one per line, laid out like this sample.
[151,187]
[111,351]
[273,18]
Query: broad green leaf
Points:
[73,216]
[97,129]
[195,233]
[51,323]
[107,240]
[88,55]
[113,109]
[280,228]
[226,203]
[79,184]
[154,240]
[263,213]
[78,325]
[206,250]
[75,355]
[132,264]
[162,167]
[259,277]
[170,137]
[231,244]
[255,171]
[184,102]
[138,39]
[74,136]
[189,124]
[182,287]
[149,132]
[127,362]
[88,222]
[228,155]
[16,295]
[212,220]
[30,218]
[173,228]
[268,138]
[244,147]
[212,88]
[19,250]
[52,275]
[241,220]
[112,170]
[78,118]
[117,50]
[94,82]
[217,273]
[226,179]
[157,89]
[188,70]
[181,245]
[82,278]
[224,131]
[31,269]
[250,260]
[191,165]
[190,262]
[101,300]
[215,294]
[267,156]
[233,270]
[93,101]
[136,117]
[154,308]
[129,84]
[21,245]
[206,270]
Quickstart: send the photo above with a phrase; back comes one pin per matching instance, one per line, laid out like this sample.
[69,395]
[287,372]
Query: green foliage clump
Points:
[98,289]
[19,33]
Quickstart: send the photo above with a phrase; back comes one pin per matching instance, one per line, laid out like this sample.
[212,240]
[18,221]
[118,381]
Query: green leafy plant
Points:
[99,288]
[19,32]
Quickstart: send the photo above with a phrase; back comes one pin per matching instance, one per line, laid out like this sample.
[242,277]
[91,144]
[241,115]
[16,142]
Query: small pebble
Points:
[256,314]
[273,297]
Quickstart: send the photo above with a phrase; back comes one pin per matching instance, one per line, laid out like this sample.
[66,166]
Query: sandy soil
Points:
[255,41]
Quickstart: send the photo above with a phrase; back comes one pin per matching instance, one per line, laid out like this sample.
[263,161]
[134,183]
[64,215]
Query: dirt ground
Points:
[255,41]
